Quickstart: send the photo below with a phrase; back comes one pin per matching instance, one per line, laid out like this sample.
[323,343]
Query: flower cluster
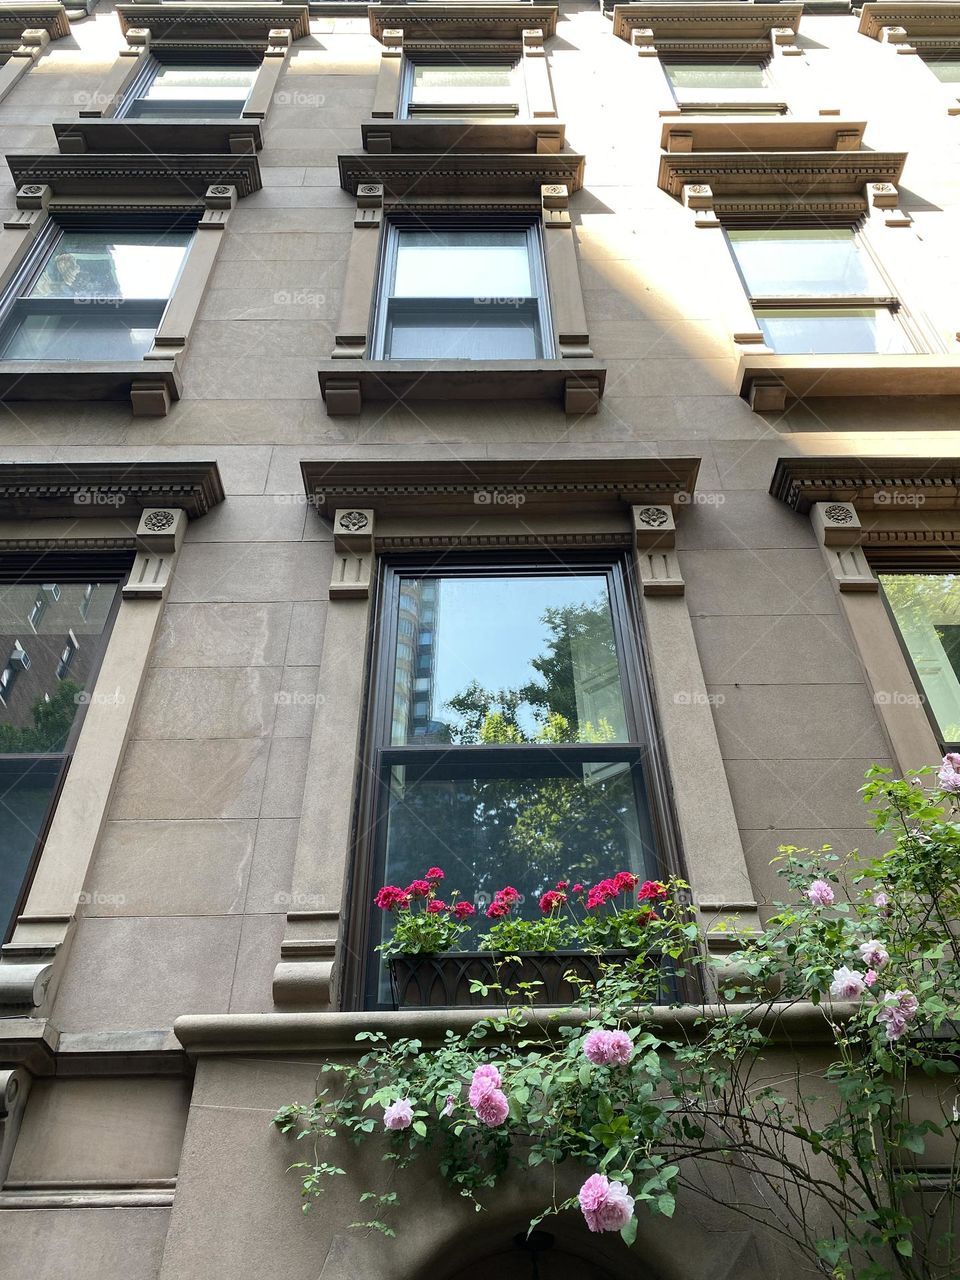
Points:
[605,890]
[488,1100]
[896,1011]
[438,927]
[605,1205]
[503,901]
[608,1048]
[948,775]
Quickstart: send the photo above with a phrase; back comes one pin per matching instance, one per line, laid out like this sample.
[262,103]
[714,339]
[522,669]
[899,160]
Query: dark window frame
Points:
[157,59]
[16,569]
[643,749]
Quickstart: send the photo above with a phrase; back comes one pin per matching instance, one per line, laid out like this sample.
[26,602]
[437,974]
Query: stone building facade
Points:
[337,346]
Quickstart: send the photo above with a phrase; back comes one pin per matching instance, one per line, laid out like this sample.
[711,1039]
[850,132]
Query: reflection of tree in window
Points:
[926,607]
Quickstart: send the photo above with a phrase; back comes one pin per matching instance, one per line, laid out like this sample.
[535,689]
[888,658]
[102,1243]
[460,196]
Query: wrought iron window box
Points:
[444,980]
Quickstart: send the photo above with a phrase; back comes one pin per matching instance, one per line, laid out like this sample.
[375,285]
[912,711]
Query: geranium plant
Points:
[423,922]
[841,1152]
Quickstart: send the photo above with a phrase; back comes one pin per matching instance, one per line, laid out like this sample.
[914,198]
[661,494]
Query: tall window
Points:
[48,663]
[463,89]
[463,294]
[512,742]
[818,290]
[926,609]
[173,90]
[93,295]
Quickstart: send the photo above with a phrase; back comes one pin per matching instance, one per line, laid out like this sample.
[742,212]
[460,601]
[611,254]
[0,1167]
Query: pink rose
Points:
[870,978]
[847,983]
[449,1103]
[621,1048]
[896,1012]
[398,1115]
[608,1048]
[880,899]
[605,1205]
[492,1108]
[948,775]
[820,894]
[485,1078]
[874,954]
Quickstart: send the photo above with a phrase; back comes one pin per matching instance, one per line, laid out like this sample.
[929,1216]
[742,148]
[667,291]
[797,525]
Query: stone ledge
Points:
[180,23]
[154,135]
[383,136]
[155,382]
[766,382]
[441,22]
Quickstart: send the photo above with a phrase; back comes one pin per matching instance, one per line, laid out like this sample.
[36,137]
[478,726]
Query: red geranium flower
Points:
[552,899]
[419,888]
[462,910]
[435,906]
[434,873]
[625,880]
[390,897]
[652,891]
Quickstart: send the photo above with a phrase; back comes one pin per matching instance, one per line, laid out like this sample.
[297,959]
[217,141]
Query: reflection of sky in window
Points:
[462,264]
[804,262]
[489,630]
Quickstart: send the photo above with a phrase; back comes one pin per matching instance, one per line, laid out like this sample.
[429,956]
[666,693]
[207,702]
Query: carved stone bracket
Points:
[839,533]
[554,205]
[306,974]
[883,200]
[369,205]
[14,1088]
[353,530]
[654,537]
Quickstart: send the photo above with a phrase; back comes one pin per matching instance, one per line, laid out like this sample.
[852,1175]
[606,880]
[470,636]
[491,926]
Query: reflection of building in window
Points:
[67,655]
[419,602]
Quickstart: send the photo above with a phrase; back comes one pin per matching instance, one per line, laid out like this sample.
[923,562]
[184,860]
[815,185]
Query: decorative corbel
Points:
[883,201]
[897,36]
[783,43]
[840,533]
[353,558]
[14,1089]
[643,42]
[369,205]
[698,196]
[159,535]
[655,531]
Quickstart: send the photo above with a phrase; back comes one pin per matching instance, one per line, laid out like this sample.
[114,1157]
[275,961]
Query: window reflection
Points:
[926,607]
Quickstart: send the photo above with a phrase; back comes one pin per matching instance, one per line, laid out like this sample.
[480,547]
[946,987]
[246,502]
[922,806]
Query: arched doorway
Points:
[537,1257]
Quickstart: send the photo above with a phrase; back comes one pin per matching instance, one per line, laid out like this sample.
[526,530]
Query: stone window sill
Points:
[767,381]
[155,136]
[150,385]
[543,136]
[576,383]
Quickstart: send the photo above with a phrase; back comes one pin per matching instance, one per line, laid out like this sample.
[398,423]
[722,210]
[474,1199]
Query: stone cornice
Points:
[704,21]
[441,22]
[567,487]
[44,490]
[794,174]
[429,174]
[17,18]
[930,483]
[140,175]
[175,23]
[924,19]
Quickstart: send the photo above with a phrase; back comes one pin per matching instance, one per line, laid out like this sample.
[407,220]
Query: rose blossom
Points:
[608,1048]
[870,977]
[847,983]
[398,1115]
[820,894]
[449,1103]
[898,1008]
[948,775]
[605,1205]
[434,873]
[874,954]
[485,1078]
[492,1108]
[880,899]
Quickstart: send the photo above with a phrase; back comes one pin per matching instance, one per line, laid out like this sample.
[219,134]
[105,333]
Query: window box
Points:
[443,981]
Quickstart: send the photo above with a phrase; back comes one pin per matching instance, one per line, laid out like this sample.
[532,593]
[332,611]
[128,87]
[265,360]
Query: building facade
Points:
[413,418]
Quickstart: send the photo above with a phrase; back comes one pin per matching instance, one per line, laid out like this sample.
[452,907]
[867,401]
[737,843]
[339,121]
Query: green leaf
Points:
[831,1251]
[628,1234]
[666,1205]
[420,1128]
[904,1248]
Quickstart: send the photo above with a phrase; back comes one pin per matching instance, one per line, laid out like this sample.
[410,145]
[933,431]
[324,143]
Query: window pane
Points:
[112,264]
[946,70]
[927,609]
[814,263]
[837,332]
[192,90]
[692,75]
[92,333]
[466,82]
[40,700]
[526,826]
[508,659]
[471,333]
[462,264]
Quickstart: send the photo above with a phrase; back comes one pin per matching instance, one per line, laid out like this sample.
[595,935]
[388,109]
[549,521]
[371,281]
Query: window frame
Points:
[446,112]
[68,567]
[155,61]
[379,754]
[387,265]
[42,249]
[708,104]
[890,302]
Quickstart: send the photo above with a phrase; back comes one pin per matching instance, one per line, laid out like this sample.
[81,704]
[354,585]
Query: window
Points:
[517,752]
[722,86]
[818,290]
[946,68]
[477,294]
[47,670]
[465,89]
[926,609]
[172,90]
[93,295]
